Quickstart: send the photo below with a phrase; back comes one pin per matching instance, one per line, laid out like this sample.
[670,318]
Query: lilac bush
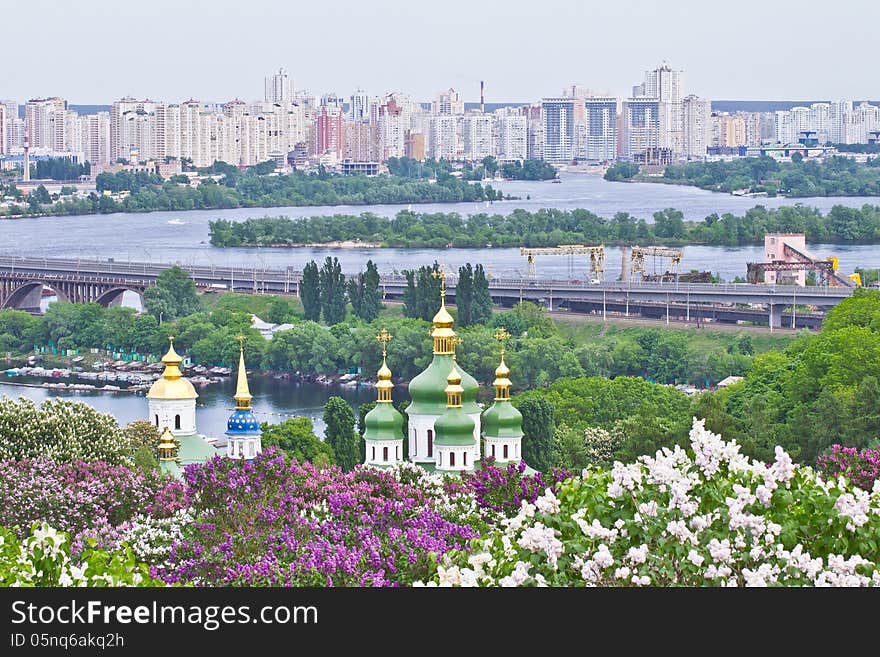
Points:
[274,522]
[504,489]
[861,468]
[84,500]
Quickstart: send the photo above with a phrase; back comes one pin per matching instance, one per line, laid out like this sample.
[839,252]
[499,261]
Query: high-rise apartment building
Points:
[392,131]
[359,106]
[443,141]
[329,132]
[641,125]
[96,138]
[479,137]
[696,113]
[728,131]
[278,88]
[3,130]
[598,142]
[513,137]
[447,102]
[665,84]
[560,118]
[38,121]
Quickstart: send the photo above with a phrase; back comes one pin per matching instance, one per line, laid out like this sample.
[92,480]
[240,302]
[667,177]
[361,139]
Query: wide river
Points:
[151,237]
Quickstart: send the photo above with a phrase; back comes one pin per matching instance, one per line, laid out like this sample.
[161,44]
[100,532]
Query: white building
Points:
[172,399]
[640,119]
[443,139]
[448,103]
[696,114]
[598,142]
[666,85]
[560,118]
[277,88]
[479,140]
[513,137]
[38,121]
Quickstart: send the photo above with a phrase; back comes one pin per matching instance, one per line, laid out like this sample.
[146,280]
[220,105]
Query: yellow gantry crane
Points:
[596,253]
[639,253]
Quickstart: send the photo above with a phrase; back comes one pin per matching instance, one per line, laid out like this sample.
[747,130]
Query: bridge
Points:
[104,282]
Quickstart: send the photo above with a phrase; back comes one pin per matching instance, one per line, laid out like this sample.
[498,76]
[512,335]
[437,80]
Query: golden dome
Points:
[384,373]
[454,378]
[172,385]
[168,447]
[502,371]
[443,319]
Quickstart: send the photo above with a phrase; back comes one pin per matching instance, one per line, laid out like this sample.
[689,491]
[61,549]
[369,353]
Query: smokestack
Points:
[26,174]
[482,99]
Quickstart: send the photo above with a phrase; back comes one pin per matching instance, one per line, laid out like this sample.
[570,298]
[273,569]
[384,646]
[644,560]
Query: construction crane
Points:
[640,252]
[596,253]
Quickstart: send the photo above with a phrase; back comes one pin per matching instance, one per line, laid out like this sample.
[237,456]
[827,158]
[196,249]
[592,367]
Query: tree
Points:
[363,291]
[332,285]
[481,309]
[310,292]
[296,437]
[490,164]
[539,429]
[340,433]
[464,294]
[143,442]
[173,295]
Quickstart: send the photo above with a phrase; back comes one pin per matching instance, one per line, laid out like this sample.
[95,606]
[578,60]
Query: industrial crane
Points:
[596,253]
[640,252]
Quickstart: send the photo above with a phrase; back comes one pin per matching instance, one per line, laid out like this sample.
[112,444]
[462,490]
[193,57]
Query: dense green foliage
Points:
[538,424]
[421,297]
[340,433]
[621,171]
[59,169]
[296,437]
[173,295]
[251,188]
[364,294]
[332,286]
[528,170]
[551,227]
[835,176]
[310,291]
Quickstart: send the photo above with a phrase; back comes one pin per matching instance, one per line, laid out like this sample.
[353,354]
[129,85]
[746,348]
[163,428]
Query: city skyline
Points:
[758,52]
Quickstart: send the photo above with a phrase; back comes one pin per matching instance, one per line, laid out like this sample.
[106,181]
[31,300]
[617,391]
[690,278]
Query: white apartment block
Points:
[448,102]
[479,140]
[3,130]
[837,122]
[38,121]
[696,116]
[443,140]
[560,118]
[641,124]
[513,137]
[598,136]
[278,88]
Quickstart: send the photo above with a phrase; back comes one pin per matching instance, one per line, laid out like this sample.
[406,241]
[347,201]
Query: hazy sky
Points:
[95,51]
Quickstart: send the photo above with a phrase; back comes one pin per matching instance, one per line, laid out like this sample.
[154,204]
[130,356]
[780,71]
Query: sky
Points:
[96,51]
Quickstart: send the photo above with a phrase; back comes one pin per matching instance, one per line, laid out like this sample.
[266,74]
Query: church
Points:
[445,423]
[172,409]
[447,430]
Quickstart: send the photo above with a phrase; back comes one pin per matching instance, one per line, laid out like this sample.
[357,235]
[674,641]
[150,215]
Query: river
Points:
[150,237]
[274,401]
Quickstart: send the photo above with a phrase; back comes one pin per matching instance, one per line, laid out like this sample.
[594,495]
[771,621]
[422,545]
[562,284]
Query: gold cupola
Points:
[384,385]
[442,331]
[168,446]
[172,384]
[502,372]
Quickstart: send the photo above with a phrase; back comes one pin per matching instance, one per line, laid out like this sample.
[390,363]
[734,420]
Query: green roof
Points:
[428,389]
[454,428]
[502,420]
[383,422]
[195,449]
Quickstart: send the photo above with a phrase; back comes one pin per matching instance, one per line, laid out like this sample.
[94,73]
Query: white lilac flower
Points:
[547,503]
[637,555]
[696,558]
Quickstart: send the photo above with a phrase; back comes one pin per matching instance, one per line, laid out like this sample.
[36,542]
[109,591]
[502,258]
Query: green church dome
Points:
[384,422]
[502,420]
[454,428]
[427,390]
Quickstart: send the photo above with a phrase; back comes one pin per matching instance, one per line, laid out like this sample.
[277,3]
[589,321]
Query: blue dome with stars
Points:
[242,422]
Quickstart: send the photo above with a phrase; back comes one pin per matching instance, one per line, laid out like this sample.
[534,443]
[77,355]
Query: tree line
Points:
[236,189]
[552,227]
[816,391]
[802,177]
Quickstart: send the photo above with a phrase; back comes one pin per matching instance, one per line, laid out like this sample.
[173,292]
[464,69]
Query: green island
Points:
[551,227]
[835,176]
[225,186]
